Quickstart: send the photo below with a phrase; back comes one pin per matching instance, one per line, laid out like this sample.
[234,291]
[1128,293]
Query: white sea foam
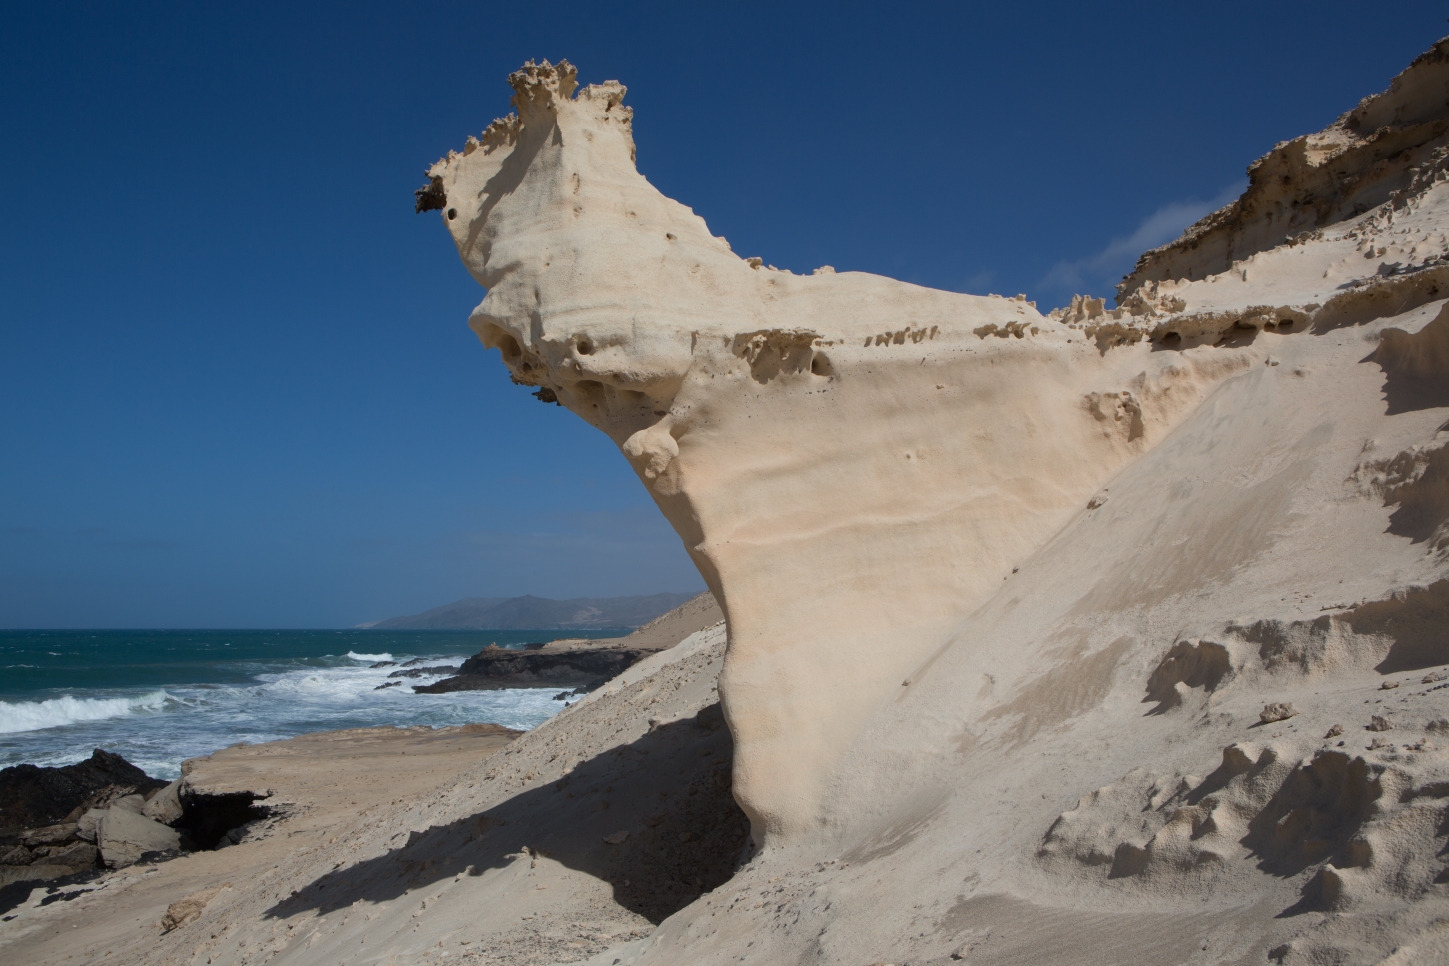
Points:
[369,657]
[340,684]
[280,700]
[36,715]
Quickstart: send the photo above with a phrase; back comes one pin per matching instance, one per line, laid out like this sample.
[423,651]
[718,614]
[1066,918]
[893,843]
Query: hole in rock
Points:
[585,347]
[820,365]
[509,346]
[208,817]
[452,213]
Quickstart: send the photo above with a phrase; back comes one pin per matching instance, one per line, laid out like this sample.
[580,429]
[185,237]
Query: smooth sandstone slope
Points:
[667,630]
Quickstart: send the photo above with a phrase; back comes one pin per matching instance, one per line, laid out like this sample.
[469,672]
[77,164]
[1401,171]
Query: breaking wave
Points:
[384,656]
[274,685]
[37,715]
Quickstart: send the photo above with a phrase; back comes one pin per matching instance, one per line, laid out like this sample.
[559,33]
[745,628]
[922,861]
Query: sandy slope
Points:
[664,631]
[669,629]
[322,785]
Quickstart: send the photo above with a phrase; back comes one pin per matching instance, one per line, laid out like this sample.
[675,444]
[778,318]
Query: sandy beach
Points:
[316,787]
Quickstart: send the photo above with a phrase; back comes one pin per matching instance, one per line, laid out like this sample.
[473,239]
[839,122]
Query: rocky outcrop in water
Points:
[548,667]
[575,662]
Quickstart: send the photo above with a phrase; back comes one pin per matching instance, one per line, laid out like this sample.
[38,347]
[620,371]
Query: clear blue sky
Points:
[236,383]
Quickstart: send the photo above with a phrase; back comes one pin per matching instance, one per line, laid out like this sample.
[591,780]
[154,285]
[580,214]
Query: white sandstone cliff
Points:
[1015,601]
[854,463]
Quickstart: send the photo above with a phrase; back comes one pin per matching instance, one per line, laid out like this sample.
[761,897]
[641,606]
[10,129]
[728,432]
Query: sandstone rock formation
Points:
[853,462]
[952,536]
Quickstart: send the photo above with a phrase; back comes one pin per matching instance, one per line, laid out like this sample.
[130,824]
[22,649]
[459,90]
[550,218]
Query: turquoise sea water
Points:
[160,697]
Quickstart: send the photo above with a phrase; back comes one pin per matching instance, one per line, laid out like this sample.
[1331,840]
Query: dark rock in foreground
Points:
[63,825]
[31,796]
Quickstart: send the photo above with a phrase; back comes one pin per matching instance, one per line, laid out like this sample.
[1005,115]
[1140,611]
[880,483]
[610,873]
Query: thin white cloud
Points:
[1098,274]
[978,281]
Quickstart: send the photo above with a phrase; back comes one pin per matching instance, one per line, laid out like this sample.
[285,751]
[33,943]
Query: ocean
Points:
[160,697]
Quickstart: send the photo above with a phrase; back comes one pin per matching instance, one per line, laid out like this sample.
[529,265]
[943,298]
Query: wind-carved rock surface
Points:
[960,543]
[854,463]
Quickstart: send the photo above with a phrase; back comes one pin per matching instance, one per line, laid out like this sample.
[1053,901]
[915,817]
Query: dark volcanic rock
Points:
[31,796]
[76,858]
[15,855]
[496,667]
[49,835]
[423,672]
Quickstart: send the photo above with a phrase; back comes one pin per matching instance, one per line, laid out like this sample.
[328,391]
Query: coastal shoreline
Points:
[160,698]
[574,662]
[584,833]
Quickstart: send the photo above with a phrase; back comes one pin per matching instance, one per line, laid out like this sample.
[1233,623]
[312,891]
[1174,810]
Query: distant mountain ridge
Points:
[529,612]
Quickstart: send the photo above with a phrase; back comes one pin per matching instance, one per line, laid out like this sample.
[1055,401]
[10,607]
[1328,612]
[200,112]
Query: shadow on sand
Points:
[669,790]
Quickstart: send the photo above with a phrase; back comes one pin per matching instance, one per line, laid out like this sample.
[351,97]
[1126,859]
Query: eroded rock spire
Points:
[854,463]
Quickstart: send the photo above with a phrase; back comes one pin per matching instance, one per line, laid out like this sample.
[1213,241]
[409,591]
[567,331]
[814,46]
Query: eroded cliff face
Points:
[854,463]
[1387,150]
